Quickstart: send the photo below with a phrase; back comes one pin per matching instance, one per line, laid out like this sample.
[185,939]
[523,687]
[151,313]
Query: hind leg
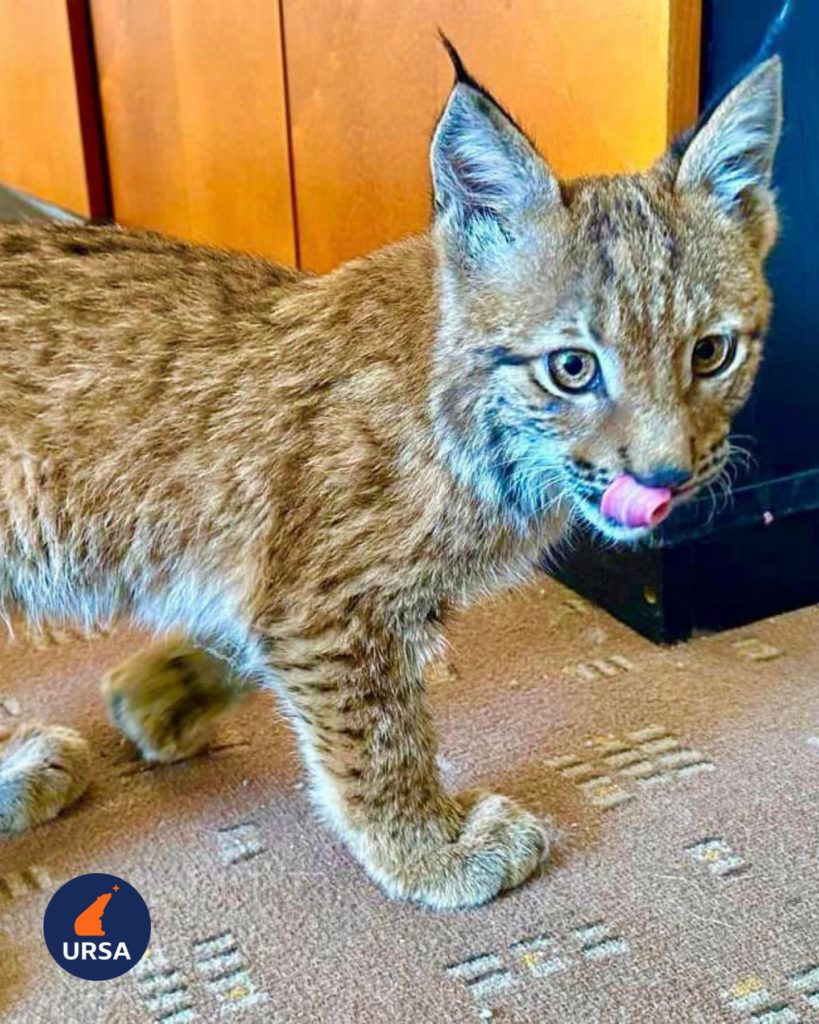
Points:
[167,698]
[43,770]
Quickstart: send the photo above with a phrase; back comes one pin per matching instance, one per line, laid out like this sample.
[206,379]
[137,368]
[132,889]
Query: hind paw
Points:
[43,770]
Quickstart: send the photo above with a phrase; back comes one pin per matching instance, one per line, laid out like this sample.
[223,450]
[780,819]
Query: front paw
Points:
[43,770]
[499,845]
[166,699]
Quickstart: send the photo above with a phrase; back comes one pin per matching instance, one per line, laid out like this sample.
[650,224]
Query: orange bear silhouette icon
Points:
[89,922]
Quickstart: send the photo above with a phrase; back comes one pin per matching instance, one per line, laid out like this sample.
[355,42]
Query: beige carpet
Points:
[685,781]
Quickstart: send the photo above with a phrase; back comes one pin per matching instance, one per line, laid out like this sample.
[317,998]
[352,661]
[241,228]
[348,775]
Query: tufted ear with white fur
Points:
[487,176]
[731,155]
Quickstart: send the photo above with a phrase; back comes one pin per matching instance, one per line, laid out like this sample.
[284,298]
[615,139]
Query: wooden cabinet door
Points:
[41,142]
[600,85]
[193,104]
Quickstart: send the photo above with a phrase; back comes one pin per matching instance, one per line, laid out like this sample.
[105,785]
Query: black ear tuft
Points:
[463,77]
[487,176]
[768,48]
[461,74]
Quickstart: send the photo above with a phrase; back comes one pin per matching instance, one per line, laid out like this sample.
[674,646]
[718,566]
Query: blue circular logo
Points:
[97,927]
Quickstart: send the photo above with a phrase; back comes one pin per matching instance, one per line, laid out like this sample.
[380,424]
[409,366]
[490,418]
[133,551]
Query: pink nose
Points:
[631,504]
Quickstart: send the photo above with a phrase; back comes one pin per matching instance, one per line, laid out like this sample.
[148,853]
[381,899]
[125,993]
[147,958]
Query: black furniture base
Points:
[758,558]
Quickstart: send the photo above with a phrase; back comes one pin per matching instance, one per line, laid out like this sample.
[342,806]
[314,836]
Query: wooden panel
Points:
[684,38]
[367,78]
[195,120]
[41,149]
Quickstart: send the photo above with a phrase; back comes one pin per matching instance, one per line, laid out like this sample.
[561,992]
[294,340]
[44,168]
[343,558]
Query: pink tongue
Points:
[630,504]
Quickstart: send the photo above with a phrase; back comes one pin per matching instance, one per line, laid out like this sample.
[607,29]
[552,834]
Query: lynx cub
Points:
[303,474]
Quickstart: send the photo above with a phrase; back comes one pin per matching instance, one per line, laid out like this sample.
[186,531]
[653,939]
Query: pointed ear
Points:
[487,176]
[732,153]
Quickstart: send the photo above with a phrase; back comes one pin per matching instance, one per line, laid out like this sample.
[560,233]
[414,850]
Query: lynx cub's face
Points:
[606,325]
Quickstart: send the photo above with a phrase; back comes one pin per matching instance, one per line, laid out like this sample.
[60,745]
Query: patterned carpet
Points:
[685,890]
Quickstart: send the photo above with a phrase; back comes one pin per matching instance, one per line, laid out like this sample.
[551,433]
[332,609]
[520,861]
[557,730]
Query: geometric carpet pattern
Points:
[685,889]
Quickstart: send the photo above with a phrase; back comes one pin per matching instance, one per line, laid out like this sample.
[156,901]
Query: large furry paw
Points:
[43,770]
[499,846]
[167,698]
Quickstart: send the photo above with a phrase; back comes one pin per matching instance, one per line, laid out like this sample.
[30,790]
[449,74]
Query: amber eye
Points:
[713,354]
[572,370]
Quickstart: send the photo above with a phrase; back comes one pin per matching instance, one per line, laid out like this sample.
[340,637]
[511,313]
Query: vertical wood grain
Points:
[367,79]
[194,111]
[41,148]
[684,47]
[89,110]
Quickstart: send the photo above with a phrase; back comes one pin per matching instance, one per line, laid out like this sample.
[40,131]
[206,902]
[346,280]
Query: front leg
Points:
[359,708]
[167,698]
